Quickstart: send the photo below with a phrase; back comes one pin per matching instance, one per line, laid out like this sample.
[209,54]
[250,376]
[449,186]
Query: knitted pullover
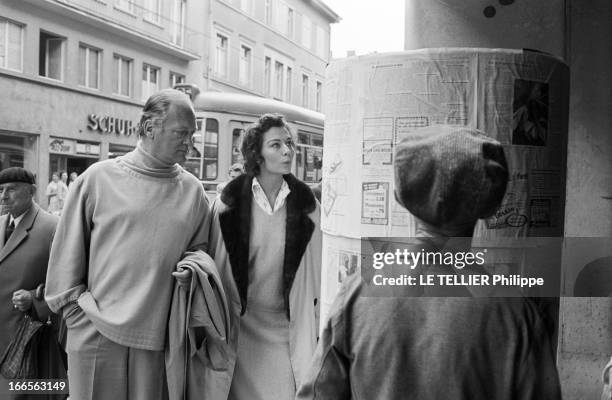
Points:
[127,222]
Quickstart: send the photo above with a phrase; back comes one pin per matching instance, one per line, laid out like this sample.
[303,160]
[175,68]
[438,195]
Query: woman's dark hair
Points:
[253,140]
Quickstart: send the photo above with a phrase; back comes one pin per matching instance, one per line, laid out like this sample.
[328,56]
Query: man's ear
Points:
[148,128]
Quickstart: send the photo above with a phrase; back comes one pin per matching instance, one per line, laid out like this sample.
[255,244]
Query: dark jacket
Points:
[23,265]
[431,348]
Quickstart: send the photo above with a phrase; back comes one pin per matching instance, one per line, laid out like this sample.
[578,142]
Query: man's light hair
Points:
[157,107]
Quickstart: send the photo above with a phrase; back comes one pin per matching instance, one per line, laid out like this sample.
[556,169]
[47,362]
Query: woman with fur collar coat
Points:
[266,242]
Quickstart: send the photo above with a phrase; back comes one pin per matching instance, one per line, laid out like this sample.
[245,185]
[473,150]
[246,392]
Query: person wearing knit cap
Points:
[131,220]
[26,232]
[434,348]
[449,177]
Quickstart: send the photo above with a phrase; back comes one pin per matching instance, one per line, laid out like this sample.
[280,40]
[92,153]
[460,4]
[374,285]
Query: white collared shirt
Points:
[262,201]
[16,220]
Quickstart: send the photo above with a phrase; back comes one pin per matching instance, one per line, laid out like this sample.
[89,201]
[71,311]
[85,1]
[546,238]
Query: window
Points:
[89,67]
[245,6]
[18,150]
[289,80]
[278,79]
[305,90]
[290,23]
[237,135]
[152,11]
[306,32]
[245,65]
[125,5]
[202,160]
[280,16]
[221,53]
[283,17]
[319,98]
[178,22]
[51,56]
[278,75]
[309,156]
[11,45]
[211,148]
[122,76]
[320,43]
[176,79]
[267,76]
[150,81]
[268,17]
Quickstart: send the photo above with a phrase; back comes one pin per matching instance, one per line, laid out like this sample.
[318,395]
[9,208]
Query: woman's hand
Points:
[22,300]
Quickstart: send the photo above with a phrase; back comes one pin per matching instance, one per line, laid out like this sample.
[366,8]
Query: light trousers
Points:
[100,369]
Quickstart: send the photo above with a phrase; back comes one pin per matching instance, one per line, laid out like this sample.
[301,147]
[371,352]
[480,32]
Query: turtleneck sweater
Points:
[127,222]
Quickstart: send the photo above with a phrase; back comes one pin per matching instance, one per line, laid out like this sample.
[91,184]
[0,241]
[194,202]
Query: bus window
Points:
[303,138]
[299,163]
[194,157]
[236,143]
[318,164]
[211,149]
[309,156]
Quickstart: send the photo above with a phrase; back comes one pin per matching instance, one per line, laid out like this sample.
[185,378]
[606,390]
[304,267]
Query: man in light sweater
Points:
[110,272]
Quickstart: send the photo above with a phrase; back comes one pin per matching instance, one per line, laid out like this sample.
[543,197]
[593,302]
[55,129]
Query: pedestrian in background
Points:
[266,242]
[26,233]
[131,220]
[435,348]
[235,171]
[52,195]
[62,189]
[73,177]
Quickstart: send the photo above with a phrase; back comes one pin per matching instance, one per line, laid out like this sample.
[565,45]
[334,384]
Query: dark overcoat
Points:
[23,265]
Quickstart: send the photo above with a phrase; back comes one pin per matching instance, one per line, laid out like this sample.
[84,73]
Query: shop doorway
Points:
[78,164]
[61,163]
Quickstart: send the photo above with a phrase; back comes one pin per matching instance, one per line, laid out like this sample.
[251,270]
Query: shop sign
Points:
[61,146]
[88,148]
[110,125]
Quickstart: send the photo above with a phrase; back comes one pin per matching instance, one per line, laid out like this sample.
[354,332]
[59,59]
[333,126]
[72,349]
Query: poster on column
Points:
[374,102]
[513,96]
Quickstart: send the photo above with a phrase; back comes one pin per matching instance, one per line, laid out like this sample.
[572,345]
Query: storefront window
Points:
[19,151]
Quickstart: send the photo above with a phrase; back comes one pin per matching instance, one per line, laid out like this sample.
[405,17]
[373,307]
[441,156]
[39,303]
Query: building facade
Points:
[74,76]
[271,48]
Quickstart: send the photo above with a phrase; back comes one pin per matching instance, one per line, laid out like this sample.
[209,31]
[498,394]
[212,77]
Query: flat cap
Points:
[16,174]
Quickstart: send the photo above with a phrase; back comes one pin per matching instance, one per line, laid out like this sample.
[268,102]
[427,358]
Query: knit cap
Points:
[450,176]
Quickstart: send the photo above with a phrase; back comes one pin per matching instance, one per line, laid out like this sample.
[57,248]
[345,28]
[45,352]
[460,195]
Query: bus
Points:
[222,119]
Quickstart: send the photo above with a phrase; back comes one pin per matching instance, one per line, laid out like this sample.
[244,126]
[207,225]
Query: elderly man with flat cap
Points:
[437,348]
[111,273]
[26,233]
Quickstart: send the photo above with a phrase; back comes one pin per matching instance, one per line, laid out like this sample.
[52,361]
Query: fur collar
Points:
[235,224]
